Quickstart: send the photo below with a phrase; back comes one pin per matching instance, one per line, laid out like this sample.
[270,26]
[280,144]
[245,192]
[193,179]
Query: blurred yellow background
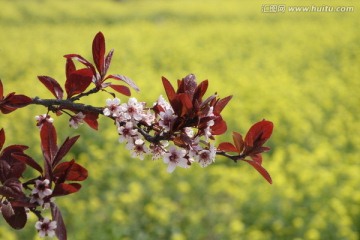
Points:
[297,69]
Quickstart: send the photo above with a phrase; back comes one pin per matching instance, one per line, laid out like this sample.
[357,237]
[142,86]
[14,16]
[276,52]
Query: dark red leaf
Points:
[219,126]
[200,90]
[63,189]
[259,133]
[78,81]
[220,104]
[14,216]
[125,79]
[52,85]
[121,89]
[170,92]
[64,149]
[27,160]
[4,171]
[185,103]
[49,146]
[238,141]
[17,101]
[2,138]
[188,85]
[12,188]
[98,50]
[261,170]
[108,60]
[227,147]
[91,120]
[82,60]
[60,230]
[69,67]
[70,171]
[1,91]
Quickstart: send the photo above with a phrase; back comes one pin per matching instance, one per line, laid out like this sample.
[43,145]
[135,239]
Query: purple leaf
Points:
[78,81]
[124,79]
[12,188]
[2,138]
[60,230]
[64,149]
[15,217]
[121,89]
[27,160]
[49,146]
[53,86]
[98,50]
[108,60]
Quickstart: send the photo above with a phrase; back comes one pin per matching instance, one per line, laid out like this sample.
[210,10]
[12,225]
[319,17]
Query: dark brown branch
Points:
[235,158]
[67,104]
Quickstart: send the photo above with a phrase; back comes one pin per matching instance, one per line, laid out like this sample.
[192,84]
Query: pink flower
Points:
[175,157]
[167,118]
[163,103]
[112,108]
[42,188]
[132,110]
[138,148]
[206,156]
[127,132]
[46,227]
[76,120]
[40,119]
[157,150]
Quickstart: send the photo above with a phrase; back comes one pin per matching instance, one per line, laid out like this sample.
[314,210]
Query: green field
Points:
[299,70]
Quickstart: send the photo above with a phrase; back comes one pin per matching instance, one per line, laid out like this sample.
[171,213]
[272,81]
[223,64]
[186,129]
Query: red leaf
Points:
[200,90]
[12,188]
[2,138]
[238,141]
[170,91]
[78,81]
[53,86]
[60,230]
[227,147]
[49,146]
[18,101]
[261,170]
[70,171]
[69,67]
[121,89]
[81,60]
[125,79]
[259,133]
[1,91]
[220,104]
[108,60]
[219,126]
[27,160]
[91,120]
[15,217]
[185,103]
[98,50]
[63,189]
[64,149]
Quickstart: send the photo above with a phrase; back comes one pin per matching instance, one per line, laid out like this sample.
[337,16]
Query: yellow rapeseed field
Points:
[300,70]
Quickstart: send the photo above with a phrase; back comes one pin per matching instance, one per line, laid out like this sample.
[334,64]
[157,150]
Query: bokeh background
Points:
[299,70]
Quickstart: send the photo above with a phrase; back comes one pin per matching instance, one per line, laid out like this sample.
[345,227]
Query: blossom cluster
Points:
[135,122]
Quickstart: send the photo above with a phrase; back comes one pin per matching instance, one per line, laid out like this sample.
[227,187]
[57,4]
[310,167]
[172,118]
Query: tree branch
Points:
[67,104]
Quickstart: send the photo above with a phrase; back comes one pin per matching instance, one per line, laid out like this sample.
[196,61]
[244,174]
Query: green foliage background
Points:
[300,70]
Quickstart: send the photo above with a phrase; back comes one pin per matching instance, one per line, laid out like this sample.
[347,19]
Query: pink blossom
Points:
[40,119]
[42,188]
[132,110]
[46,227]
[167,118]
[138,148]
[127,132]
[76,120]
[163,103]
[175,157]
[206,156]
[112,108]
